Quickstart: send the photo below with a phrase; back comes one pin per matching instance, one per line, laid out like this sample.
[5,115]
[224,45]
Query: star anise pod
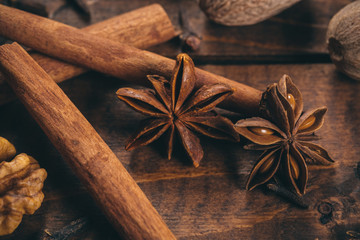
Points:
[175,106]
[285,136]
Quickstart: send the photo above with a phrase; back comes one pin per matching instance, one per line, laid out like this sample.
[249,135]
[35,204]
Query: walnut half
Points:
[7,150]
[21,183]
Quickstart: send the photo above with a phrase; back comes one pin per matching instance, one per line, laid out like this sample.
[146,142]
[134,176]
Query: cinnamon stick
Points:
[141,28]
[125,205]
[120,60]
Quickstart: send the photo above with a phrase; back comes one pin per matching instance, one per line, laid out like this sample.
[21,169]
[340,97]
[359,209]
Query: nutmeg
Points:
[243,12]
[343,40]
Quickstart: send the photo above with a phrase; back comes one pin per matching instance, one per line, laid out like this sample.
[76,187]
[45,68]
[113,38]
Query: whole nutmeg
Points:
[343,40]
[243,12]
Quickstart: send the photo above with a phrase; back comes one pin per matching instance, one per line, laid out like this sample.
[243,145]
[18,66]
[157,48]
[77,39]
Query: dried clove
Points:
[66,232]
[190,37]
[288,195]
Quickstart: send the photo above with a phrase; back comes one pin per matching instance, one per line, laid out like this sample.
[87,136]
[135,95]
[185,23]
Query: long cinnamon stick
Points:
[95,164]
[141,28]
[120,60]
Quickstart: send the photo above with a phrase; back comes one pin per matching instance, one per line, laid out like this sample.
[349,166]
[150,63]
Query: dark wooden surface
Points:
[210,202]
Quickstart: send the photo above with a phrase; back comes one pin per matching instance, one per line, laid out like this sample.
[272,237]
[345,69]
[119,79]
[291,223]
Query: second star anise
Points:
[285,136]
[174,106]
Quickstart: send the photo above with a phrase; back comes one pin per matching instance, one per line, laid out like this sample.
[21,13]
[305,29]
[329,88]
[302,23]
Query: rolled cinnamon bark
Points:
[120,60]
[141,28]
[121,199]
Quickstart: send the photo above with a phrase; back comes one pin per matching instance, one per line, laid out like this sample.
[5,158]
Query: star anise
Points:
[175,106]
[285,136]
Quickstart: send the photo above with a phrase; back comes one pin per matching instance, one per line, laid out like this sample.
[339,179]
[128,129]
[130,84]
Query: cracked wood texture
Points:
[210,202]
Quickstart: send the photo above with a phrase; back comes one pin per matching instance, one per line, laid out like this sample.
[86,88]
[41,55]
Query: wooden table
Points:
[210,202]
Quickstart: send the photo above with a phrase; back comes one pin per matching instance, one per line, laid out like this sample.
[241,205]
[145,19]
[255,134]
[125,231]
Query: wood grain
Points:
[106,56]
[298,34]
[209,202]
[141,28]
[91,159]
